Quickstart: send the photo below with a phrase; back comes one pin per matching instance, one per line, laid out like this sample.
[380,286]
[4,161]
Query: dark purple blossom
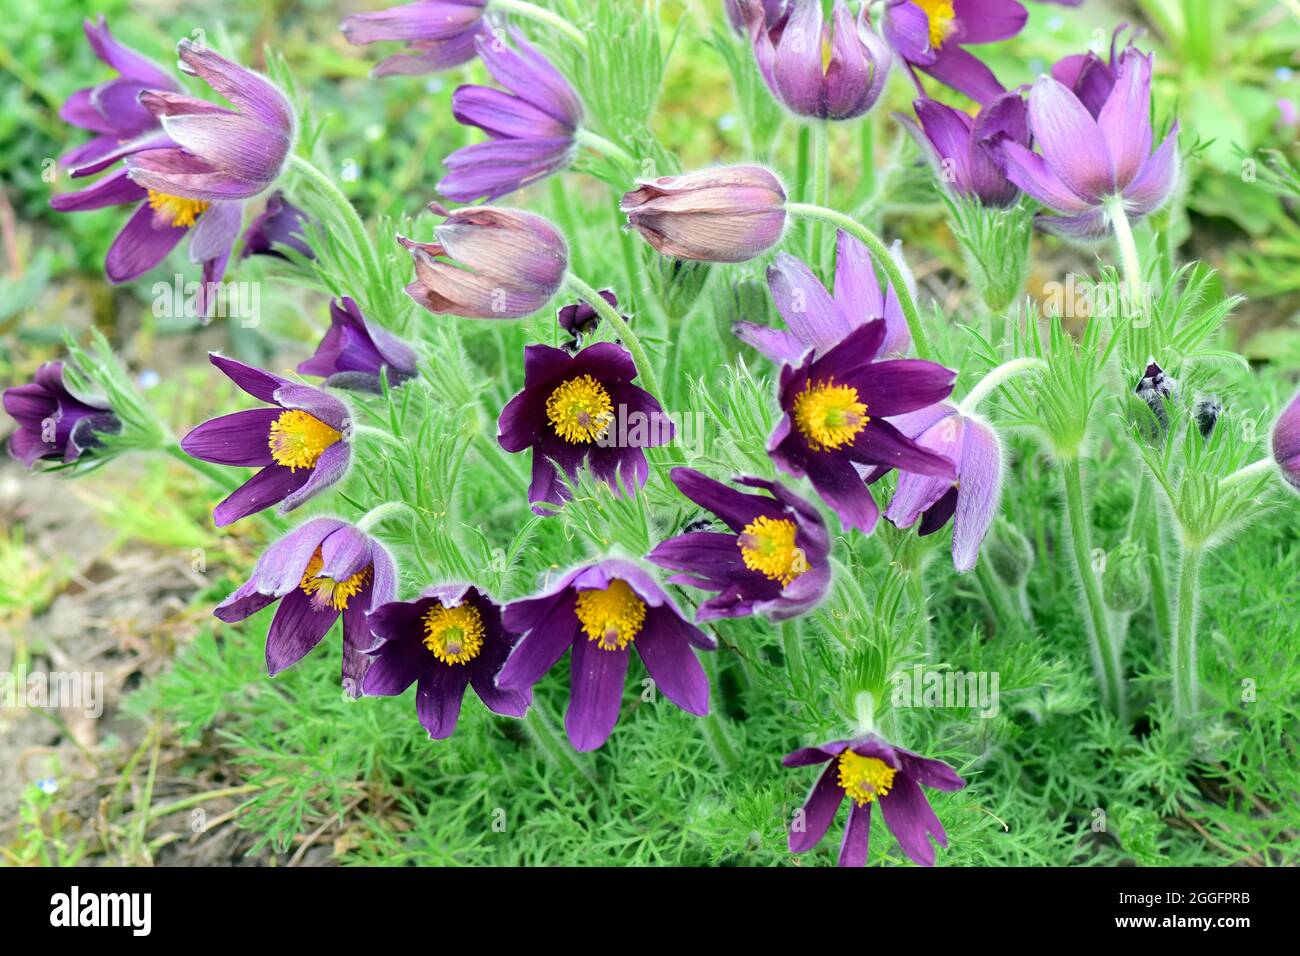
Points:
[580,319]
[959,146]
[53,421]
[439,34]
[583,407]
[725,214]
[448,639]
[531,126]
[280,224]
[321,571]
[817,320]
[1087,162]
[832,70]
[773,561]
[835,425]
[488,263]
[355,350]
[932,36]
[301,443]
[602,611]
[868,770]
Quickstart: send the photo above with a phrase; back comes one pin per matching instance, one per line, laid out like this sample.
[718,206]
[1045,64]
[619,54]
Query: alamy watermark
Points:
[936,688]
[61,690]
[180,299]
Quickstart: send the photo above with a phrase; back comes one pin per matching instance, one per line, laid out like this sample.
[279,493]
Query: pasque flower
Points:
[488,263]
[869,770]
[321,571]
[448,639]
[970,500]
[835,424]
[817,319]
[825,70]
[582,407]
[53,421]
[959,145]
[279,224]
[773,560]
[355,351]
[736,11]
[932,35]
[531,126]
[439,33]
[581,319]
[111,110]
[602,611]
[725,214]
[1286,442]
[301,442]
[1088,162]
[1088,76]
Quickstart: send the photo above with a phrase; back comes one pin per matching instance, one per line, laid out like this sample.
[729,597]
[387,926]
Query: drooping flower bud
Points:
[1125,582]
[1155,388]
[726,214]
[1207,411]
[1009,552]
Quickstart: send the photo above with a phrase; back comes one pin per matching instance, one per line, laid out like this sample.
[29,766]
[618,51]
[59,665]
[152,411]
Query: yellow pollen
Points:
[942,17]
[326,592]
[580,409]
[864,778]
[767,546]
[177,210]
[453,634]
[298,440]
[829,415]
[612,617]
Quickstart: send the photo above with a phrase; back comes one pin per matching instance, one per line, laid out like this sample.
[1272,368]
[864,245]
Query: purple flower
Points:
[280,224]
[1088,76]
[931,35]
[355,350]
[602,611]
[301,443]
[726,214]
[531,126]
[823,70]
[1086,161]
[959,146]
[111,110]
[1286,442]
[53,421]
[580,319]
[322,570]
[448,639]
[971,500]
[869,770]
[774,560]
[737,13]
[836,408]
[488,263]
[816,319]
[439,33]
[582,407]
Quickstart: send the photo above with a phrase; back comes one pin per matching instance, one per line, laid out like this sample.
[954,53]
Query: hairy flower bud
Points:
[1125,583]
[1010,553]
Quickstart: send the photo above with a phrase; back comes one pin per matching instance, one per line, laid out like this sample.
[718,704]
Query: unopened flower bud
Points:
[1010,553]
[1207,412]
[1125,583]
[1286,442]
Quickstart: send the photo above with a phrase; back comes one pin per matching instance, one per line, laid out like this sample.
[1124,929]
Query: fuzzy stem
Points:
[1183,659]
[999,602]
[915,585]
[546,735]
[714,724]
[995,378]
[1145,528]
[1128,253]
[380,512]
[347,214]
[541,15]
[1244,474]
[794,662]
[1105,650]
[821,175]
[216,475]
[606,147]
[883,259]
[630,340]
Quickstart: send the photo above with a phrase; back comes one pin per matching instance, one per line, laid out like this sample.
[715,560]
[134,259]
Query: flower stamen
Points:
[864,779]
[298,440]
[611,616]
[767,546]
[453,634]
[580,409]
[829,416]
[176,210]
[325,592]
[942,17]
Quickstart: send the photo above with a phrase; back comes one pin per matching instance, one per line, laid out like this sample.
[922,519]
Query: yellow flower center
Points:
[767,546]
[326,592]
[298,440]
[453,634]
[580,409]
[864,778]
[176,210]
[943,19]
[829,415]
[612,616]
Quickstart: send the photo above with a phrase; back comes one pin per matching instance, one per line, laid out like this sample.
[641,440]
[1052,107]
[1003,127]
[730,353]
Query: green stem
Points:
[546,735]
[794,664]
[997,598]
[346,213]
[1183,658]
[996,377]
[714,724]
[606,147]
[821,176]
[1145,528]
[883,259]
[915,583]
[630,340]
[215,474]
[381,512]
[541,15]
[1128,253]
[1105,650]
[1250,471]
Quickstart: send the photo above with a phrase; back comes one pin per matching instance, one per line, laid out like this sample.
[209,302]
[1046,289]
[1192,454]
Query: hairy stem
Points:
[345,212]
[999,601]
[1183,659]
[541,15]
[629,338]
[821,179]
[1145,529]
[606,147]
[984,387]
[1128,253]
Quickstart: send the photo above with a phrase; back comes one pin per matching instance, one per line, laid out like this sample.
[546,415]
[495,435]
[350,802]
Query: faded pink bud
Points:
[725,214]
